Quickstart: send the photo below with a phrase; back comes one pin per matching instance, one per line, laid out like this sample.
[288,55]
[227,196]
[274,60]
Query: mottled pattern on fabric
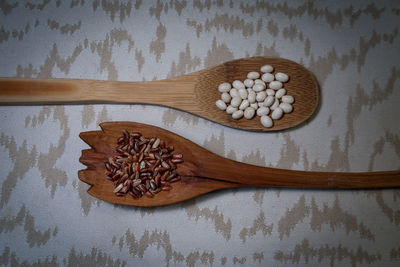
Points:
[352,48]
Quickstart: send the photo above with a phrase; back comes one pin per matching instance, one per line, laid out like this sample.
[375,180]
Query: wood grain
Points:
[195,93]
[204,171]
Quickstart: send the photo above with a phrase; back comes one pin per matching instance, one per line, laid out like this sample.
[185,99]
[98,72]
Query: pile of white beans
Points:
[260,94]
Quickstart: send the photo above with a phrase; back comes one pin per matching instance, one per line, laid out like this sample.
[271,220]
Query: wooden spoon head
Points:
[301,85]
[103,144]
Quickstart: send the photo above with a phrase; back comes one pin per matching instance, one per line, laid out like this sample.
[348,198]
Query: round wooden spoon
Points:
[195,92]
[203,171]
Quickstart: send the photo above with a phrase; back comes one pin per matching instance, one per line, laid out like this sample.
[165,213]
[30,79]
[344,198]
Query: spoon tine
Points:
[88,176]
[91,158]
[89,137]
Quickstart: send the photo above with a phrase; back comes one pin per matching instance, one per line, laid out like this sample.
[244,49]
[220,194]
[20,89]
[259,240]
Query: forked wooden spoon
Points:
[203,171]
[195,92]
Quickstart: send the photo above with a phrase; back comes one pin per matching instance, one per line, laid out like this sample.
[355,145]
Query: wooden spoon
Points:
[195,93]
[203,171]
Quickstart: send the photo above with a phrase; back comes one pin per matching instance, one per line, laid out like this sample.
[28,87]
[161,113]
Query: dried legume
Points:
[142,166]
[260,93]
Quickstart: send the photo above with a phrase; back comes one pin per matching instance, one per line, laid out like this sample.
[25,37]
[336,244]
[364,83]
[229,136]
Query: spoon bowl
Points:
[195,93]
[103,145]
[301,85]
[203,171]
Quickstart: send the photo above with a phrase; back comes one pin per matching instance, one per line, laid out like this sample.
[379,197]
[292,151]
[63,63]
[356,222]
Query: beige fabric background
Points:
[352,47]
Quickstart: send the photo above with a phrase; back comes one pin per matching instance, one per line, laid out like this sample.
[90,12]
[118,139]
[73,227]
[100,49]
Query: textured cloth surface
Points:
[352,48]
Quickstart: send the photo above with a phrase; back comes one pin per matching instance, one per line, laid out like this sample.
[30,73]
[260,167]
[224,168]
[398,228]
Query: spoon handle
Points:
[250,175]
[177,93]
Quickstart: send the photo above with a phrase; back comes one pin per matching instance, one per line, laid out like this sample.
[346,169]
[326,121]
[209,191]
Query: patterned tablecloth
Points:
[353,49]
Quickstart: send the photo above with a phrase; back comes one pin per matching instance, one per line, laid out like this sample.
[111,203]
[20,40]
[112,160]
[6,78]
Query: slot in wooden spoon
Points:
[204,171]
[195,93]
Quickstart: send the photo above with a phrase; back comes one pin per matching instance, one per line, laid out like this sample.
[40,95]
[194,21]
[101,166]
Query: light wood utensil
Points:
[195,93]
[204,171]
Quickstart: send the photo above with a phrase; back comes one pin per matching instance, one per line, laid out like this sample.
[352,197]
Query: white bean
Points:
[261,96]
[259,81]
[282,77]
[230,109]
[270,92]
[253,75]
[277,113]
[234,92]
[224,87]
[286,107]
[220,104]
[238,84]
[275,104]
[237,114]
[243,93]
[288,99]
[244,104]
[226,97]
[275,85]
[251,97]
[254,105]
[249,113]
[258,87]
[236,101]
[269,101]
[267,77]
[266,121]
[281,92]
[248,83]
[267,68]
[262,111]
